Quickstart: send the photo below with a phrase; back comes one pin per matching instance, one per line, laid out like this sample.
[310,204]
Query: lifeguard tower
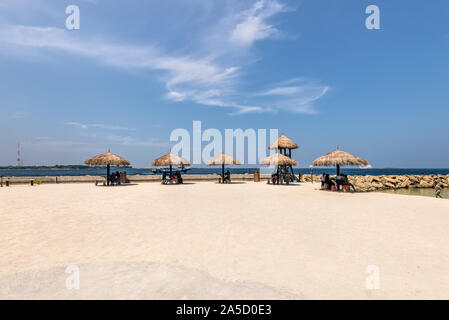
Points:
[285,146]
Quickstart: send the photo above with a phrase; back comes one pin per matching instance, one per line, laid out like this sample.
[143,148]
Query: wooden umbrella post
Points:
[222,160]
[338,169]
[311,174]
[108,174]
[170,160]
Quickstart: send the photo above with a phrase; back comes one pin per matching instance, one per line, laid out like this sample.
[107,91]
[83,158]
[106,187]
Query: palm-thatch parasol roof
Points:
[338,158]
[222,159]
[278,159]
[283,143]
[107,158]
[170,159]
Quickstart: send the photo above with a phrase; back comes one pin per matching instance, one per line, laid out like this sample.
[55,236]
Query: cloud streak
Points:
[253,25]
[98,126]
[294,95]
[133,142]
[207,78]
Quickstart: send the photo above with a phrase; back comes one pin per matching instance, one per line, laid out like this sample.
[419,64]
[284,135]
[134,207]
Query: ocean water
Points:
[17,172]
[426,192]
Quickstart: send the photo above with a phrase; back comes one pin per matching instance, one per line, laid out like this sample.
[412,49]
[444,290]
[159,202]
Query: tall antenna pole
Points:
[18,163]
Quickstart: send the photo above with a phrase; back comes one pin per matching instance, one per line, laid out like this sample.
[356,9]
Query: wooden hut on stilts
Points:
[280,161]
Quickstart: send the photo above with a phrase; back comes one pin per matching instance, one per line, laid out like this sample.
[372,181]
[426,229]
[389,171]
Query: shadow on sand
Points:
[119,185]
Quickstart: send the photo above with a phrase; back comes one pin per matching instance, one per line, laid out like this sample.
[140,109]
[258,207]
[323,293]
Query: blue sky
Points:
[136,70]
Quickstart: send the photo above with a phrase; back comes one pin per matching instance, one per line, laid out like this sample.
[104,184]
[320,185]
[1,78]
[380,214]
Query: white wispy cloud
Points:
[77,124]
[133,142]
[184,76]
[207,77]
[283,91]
[175,96]
[252,24]
[98,125]
[294,95]
[83,145]
[111,127]
[51,144]
[13,114]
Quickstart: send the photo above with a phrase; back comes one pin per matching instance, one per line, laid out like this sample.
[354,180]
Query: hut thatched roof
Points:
[278,159]
[283,142]
[339,157]
[222,159]
[170,159]
[107,158]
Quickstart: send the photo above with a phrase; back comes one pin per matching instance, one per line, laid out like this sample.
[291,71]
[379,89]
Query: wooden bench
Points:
[101,181]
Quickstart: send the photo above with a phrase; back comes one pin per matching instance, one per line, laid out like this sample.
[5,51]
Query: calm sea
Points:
[236,170]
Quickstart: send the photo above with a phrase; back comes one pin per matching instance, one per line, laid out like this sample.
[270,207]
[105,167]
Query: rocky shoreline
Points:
[385,182]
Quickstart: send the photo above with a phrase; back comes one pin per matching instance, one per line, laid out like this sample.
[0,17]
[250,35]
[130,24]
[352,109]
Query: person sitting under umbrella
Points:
[328,182]
[178,177]
[227,177]
[345,181]
[107,159]
[164,177]
[323,180]
[338,181]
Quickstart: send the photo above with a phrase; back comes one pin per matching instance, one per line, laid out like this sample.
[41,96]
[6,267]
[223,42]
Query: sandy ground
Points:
[211,241]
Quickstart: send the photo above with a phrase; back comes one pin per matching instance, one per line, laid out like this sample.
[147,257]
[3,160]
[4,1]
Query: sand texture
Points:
[209,241]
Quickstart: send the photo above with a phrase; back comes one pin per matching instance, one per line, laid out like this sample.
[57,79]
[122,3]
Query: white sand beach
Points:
[210,241]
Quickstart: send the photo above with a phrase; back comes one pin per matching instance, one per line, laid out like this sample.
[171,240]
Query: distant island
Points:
[59,167]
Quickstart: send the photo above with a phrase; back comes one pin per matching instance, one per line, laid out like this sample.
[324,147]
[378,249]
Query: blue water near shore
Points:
[235,170]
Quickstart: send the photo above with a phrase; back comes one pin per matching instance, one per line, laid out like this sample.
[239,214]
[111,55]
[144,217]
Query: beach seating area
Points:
[171,169]
[173,166]
[253,240]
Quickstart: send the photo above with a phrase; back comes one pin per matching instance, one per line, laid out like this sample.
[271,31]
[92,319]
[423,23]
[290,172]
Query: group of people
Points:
[172,178]
[227,177]
[339,181]
[114,178]
[283,175]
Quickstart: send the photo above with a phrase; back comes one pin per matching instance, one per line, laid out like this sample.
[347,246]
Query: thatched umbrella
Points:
[278,159]
[107,159]
[170,159]
[338,158]
[284,143]
[222,159]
